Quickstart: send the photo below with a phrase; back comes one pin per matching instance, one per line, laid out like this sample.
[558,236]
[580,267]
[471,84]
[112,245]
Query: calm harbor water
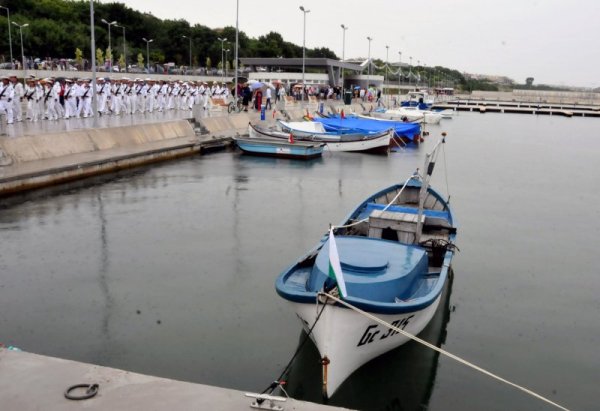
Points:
[169,270]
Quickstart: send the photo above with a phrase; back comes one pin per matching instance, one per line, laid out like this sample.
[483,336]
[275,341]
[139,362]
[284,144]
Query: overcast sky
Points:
[554,41]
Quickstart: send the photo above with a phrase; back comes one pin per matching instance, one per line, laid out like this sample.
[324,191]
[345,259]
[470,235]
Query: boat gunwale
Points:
[419,303]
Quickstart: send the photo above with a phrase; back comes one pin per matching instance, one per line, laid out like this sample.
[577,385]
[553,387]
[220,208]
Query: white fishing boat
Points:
[389,258]
[341,140]
[411,114]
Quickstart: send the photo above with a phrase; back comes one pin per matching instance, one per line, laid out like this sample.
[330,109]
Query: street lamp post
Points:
[387,59]
[9,35]
[112,23]
[20,26]
[124,47]
[226,61]
[148,52]
[369,64]
[93,50]
[237,12]
[409,69]
[304,12]
[190,39]
[399,70]
[344,28]
[222,40]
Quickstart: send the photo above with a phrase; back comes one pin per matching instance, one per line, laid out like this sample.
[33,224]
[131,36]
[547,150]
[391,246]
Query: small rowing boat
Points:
[271,147]
[389,258]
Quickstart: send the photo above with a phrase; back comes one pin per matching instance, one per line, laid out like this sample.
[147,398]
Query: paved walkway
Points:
[28,128]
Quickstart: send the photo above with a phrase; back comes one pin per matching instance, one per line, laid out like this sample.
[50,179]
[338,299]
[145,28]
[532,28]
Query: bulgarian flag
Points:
[335,269]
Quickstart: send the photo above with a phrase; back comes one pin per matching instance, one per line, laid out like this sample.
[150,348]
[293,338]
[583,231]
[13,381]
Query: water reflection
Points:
[273,162]
[402,379]
[104,354]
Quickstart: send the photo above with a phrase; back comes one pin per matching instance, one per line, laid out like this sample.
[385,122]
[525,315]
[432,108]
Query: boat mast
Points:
[428,171]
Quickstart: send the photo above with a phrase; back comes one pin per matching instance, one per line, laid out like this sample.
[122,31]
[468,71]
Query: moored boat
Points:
[407,132]
[343,140]
[390,257]
[272,147]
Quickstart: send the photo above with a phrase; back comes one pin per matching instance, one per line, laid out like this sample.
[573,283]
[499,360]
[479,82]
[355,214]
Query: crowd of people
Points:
[64,98]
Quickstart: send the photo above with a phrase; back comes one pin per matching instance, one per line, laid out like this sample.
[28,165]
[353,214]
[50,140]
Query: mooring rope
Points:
[446,353]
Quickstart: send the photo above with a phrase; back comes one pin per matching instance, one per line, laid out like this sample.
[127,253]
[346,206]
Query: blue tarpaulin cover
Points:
[402,129]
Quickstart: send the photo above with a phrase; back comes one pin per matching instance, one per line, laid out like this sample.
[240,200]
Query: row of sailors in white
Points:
[114,97]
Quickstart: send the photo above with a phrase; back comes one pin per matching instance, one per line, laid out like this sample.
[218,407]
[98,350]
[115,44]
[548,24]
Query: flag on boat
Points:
[335,269]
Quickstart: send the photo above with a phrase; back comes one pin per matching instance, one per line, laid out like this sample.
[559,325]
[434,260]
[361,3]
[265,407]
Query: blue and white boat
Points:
[406,132]
[267,146]
[351,140]
[390,258]
[419,99]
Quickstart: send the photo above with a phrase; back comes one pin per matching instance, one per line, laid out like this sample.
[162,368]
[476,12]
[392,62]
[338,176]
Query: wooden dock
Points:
[565,110]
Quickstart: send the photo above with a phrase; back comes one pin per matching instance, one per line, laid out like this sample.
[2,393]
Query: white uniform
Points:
[18,100]
[51,101]
[70,100]
[7,93]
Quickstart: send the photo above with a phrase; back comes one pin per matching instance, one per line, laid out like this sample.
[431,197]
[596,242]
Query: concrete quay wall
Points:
[36,382]
[42,147]
[43,159]
[31,162]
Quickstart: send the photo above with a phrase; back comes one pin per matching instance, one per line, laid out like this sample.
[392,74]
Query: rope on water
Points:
[446,353]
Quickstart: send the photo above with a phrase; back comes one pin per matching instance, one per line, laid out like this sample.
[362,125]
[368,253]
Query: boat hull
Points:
[279,148]
[379,145]
[346,340]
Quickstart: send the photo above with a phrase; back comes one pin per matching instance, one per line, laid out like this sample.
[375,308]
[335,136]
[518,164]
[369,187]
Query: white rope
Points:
[446,353]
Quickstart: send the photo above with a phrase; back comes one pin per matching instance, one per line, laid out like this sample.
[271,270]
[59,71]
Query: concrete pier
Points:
[36,382]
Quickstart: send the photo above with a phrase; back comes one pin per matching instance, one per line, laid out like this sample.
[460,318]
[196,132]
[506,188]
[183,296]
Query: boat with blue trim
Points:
[274,147]
[391,258]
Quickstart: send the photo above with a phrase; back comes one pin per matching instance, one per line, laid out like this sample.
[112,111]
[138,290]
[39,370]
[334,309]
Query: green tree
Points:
[122,62]
[208,62]
[99,57]
[108,55]
[79,57]
[529,81]
[140,60]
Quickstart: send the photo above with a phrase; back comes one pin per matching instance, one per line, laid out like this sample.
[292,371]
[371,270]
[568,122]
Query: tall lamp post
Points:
[226,61]
[20,26]
[409,69]
[112,23]
[222,40]
[237,12]
[148,52]
[387,59]
[344,28]
[399,71]
[190,39]
[9,35]
[304,12]
[93,50]
[369,63]
[124,48]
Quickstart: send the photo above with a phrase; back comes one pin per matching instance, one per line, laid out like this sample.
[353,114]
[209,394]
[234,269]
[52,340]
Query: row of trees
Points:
[58,27]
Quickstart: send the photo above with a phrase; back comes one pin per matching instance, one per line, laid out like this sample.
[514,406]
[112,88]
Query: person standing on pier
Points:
[268,98]
[50,99]
[70,99]
[18,98]
[7,93]
[30,98]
